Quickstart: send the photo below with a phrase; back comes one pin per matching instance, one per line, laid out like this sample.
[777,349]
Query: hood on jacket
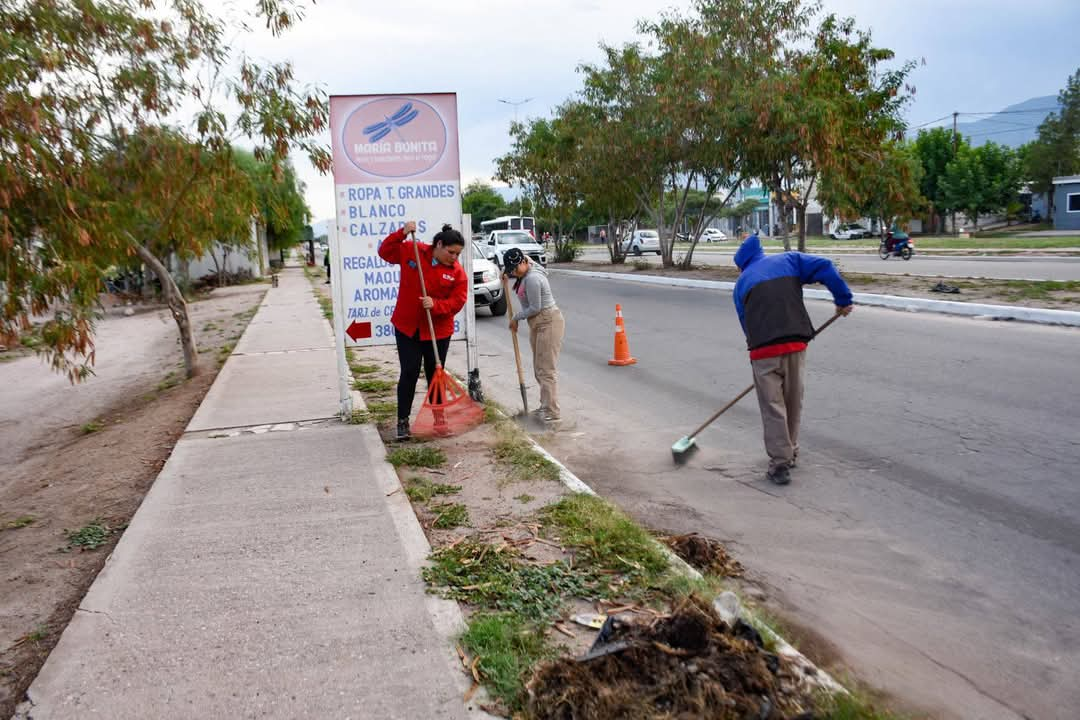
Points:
[750,251]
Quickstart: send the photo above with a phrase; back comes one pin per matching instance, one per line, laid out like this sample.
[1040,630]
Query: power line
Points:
[931,122]
[1014,112]
[1002,132]
[1004,122]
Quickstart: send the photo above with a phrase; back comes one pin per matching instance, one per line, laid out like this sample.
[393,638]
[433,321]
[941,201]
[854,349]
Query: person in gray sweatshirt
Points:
[546,326]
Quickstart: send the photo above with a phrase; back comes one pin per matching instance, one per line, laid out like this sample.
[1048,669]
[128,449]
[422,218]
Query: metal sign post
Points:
[476,392]
[338,323]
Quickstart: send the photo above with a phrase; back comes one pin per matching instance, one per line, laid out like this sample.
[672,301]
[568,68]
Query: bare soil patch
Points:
[94,461]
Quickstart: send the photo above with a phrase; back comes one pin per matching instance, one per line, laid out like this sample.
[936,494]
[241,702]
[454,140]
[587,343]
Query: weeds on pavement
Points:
[420,456]
[19,522]
[516,454]
[359,369]
[372,385]
[90,536]
[449,515]
[422,490]
[92,427]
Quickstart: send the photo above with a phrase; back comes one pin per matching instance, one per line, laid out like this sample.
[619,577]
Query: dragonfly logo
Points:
[395,137]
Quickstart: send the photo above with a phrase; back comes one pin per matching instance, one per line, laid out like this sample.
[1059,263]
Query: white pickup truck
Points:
[499,241]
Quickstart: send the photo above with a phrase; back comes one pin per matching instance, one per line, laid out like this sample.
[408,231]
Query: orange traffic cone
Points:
[622,345]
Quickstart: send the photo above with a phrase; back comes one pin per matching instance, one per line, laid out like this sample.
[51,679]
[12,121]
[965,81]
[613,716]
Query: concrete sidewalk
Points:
[269,572]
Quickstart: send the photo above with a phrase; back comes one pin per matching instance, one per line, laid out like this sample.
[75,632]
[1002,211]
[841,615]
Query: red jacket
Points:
[446,285]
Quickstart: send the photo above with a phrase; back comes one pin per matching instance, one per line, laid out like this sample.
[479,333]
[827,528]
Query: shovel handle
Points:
[423,291]
[513,335]
[746,392]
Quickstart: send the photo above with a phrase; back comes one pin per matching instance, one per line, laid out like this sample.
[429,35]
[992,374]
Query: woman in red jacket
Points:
[448,290]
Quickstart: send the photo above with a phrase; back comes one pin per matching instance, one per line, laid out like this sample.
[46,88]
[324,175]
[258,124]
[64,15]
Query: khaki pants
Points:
[546,330]
[779,384]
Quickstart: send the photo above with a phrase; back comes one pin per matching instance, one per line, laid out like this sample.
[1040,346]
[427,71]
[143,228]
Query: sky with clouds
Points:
[974,56]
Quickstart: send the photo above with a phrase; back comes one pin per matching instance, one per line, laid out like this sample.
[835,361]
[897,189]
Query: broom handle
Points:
[423,291]
[745,392]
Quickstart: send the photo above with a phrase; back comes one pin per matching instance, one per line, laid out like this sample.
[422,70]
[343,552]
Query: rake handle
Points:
[745,392]
[423,291]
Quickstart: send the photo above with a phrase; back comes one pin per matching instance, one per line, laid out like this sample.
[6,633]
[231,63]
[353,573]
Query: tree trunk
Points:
[177,306]
[800,217]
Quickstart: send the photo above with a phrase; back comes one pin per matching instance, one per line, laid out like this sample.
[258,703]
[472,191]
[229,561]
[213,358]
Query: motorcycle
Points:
[896,243]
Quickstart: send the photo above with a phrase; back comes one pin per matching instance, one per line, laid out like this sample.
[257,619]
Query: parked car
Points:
[642,241]
[850,231]
[713,235]
[499,241]
[487,285]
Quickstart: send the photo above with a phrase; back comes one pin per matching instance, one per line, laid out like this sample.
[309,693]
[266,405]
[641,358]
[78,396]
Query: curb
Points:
[811,672]
[1042,316]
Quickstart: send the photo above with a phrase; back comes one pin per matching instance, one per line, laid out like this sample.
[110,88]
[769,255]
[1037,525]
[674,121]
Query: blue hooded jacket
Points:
[768,293]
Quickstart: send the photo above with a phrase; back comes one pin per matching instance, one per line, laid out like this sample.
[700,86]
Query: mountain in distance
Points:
[1013,126]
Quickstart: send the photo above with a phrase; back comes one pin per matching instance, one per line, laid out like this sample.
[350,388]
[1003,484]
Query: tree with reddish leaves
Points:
[116,135]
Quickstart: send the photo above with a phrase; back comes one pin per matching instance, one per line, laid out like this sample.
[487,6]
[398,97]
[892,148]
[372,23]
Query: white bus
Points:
[509,222]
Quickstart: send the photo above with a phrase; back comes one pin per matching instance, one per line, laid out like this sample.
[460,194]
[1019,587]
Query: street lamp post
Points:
[516,104]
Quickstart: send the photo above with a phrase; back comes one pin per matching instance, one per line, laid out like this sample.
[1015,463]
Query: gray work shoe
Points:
[403,432]
[780,475]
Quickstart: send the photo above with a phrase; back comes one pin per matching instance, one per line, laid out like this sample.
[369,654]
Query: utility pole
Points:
[516,104]
[955,140]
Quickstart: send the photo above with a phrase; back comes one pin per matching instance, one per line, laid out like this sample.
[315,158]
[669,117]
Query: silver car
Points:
[487,285]
[642,241]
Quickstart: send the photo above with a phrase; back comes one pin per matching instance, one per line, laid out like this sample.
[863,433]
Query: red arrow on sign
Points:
[358,331]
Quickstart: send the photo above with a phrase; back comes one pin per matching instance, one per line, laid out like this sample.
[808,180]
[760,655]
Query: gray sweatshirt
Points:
[534,293]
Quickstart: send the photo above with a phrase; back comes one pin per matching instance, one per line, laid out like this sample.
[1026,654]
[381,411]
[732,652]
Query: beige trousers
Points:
[546,330]
[779,384]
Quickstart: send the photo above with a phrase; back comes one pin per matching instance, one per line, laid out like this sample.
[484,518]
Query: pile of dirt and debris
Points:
[689,664]
[705,554]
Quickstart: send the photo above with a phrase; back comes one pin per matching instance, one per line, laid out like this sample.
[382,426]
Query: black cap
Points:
[512,258]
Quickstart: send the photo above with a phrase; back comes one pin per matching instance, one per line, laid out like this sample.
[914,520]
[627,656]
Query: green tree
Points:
[483,202]
[981,180]
[279,200]
[540,163]
[1056,151]
[886,186]
[97,166]
[713,54]
[935,148]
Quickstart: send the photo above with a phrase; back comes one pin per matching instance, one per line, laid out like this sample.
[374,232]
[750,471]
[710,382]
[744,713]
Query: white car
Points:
[850,231]
[499,241]
[713,235]
[642,241]
[487,285]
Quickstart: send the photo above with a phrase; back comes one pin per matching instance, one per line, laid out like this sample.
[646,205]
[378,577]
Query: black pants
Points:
[411,350]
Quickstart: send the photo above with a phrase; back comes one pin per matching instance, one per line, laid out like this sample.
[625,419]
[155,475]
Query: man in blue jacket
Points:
[768,298]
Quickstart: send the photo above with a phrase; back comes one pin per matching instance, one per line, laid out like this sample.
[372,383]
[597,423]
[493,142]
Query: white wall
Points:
[254,258]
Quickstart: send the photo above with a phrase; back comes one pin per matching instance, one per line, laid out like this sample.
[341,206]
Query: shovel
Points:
[517,348]
[686,444]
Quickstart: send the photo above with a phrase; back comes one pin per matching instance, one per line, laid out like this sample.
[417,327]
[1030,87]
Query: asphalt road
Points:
[1029,268]
[931,532]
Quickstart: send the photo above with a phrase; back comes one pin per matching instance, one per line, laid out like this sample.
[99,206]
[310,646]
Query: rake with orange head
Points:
[447,409]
